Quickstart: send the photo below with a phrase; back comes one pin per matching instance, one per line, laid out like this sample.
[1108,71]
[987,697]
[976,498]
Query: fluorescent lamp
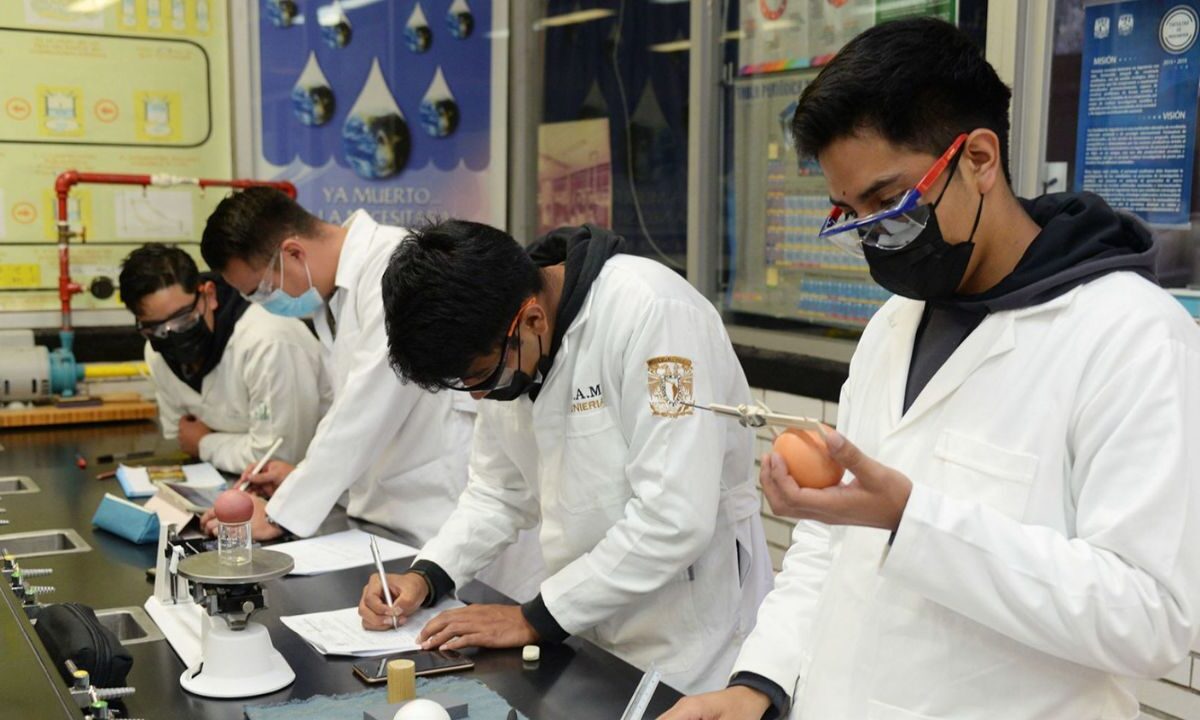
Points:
[90,6]
[571,18]
[674,46]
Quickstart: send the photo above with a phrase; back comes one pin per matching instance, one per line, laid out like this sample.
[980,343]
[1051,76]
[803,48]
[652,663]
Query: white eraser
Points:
[531,653]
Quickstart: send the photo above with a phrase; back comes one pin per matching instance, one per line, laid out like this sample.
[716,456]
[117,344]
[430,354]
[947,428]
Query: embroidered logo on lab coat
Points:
[588,397]
[669,380]
[261,412]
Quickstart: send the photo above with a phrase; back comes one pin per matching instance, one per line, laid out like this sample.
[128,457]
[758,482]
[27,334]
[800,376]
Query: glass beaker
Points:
[233,543]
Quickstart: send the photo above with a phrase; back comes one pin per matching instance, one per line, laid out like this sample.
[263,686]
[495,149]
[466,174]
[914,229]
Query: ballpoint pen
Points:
[387,593]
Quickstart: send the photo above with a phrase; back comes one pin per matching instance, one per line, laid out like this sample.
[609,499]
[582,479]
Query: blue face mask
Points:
[305,306]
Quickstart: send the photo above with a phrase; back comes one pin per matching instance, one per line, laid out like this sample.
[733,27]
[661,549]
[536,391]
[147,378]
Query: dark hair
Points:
[450,291]
[151,268]
[249,226]
[918,82]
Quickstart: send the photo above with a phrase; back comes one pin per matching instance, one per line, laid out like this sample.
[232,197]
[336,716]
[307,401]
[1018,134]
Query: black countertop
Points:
[576,681]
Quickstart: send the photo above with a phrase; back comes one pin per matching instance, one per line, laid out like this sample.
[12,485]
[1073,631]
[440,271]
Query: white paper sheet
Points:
[146,214]
[203,475]
[347,549]
[167,513]
[340,632]
[136,483]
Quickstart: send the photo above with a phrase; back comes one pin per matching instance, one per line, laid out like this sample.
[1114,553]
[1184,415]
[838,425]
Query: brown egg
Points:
[233,506]
[807,459]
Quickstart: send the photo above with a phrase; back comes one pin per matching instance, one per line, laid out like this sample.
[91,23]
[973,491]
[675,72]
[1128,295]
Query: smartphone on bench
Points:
[428,662]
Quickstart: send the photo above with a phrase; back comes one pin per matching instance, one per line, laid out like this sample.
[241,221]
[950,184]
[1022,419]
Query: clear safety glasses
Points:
[502,376]
[266,286]
[894,227]
[181,321]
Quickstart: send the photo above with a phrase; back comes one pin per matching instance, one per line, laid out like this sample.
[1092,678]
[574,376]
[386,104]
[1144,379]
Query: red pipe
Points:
[69,179]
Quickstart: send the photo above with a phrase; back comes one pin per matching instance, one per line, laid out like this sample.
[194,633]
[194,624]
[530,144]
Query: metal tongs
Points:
[759,415]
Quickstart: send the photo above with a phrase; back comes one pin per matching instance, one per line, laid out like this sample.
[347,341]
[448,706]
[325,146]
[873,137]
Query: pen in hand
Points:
[261,464]
[387,593]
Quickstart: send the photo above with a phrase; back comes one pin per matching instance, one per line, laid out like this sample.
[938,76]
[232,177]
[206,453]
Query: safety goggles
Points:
[266,286]
[181,321]
[896,226]
[502,376]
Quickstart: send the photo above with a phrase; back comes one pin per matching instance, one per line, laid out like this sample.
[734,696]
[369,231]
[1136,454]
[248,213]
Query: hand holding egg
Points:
[807,458]
[875,496]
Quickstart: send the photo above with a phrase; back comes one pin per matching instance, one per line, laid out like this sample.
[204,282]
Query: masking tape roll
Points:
[401,680]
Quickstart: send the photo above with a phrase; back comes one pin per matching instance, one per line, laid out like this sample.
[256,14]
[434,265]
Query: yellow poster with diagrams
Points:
[108,86]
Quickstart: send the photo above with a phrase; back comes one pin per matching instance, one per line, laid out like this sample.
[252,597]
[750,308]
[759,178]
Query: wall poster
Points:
[136,86]
[1136,136]
[397,107]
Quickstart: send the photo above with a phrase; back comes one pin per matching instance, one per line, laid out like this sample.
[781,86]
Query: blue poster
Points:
[394,106]
[1136,138]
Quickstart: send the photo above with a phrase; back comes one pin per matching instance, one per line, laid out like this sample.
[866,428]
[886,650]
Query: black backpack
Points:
[71,631]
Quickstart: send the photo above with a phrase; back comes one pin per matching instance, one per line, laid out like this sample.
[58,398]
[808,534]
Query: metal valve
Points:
[87,695]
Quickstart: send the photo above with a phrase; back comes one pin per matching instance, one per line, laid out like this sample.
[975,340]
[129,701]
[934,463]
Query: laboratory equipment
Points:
[237,656]
[759,415]
[233,509]
[84,693]
[57,371]
[636,709]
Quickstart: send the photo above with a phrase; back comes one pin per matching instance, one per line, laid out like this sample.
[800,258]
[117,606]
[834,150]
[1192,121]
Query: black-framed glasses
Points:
[181,321]
[502,375]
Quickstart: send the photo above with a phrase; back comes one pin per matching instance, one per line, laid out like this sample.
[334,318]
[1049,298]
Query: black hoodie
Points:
[583,252]
[1082,238]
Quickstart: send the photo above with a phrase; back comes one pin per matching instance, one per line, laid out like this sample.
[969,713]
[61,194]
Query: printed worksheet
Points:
[338,551]
[340,632]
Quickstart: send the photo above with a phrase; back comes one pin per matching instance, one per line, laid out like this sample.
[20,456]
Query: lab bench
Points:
[576,680]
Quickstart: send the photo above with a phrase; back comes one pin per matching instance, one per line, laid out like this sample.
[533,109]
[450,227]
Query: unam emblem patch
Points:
[669,380]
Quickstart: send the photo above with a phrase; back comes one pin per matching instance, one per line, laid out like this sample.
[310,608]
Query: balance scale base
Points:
[237,663]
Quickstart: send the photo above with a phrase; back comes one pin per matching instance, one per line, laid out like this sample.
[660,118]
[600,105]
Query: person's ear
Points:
[535,319]
[981,159]
[209,289]
[292,247]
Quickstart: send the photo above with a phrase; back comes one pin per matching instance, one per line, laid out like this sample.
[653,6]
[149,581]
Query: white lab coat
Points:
[641,514]
[400,451]
[1048,547]
[268,385]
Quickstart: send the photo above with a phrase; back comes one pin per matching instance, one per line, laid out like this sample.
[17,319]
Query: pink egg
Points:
[233,506]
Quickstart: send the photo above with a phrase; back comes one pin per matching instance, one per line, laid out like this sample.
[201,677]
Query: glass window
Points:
[612,144]
[777,271]
[1122,122]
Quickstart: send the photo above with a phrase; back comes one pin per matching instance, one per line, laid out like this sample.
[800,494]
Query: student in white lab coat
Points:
[588,361]
[1016,533]
[230,378]
[400,451]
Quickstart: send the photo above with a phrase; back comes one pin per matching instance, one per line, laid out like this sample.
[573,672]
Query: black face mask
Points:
[522,382]
[928,268]
[185,351]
